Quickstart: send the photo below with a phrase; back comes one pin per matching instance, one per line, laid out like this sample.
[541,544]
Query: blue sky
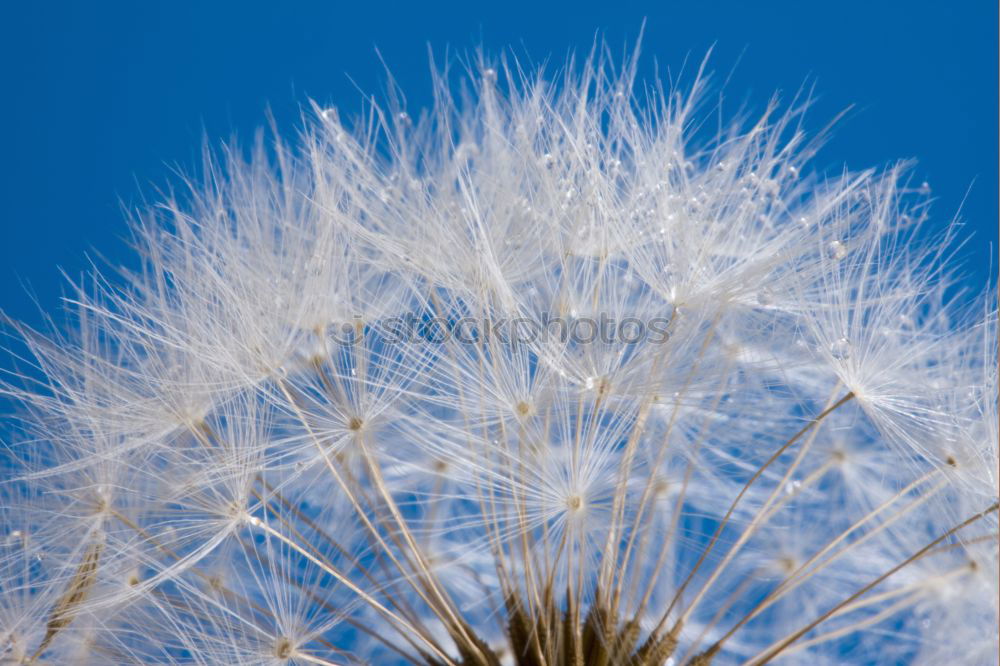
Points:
[102,100]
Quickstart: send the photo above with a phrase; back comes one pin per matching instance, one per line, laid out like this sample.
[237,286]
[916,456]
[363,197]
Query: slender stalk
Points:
[771,652]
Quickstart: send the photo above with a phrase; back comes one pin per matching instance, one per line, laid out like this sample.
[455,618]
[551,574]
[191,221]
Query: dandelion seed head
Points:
[544,373]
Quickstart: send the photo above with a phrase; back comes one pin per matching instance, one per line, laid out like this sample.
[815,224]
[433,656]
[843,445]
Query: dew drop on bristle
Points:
[466,152]
[765,296]
[841,349]
[836,250]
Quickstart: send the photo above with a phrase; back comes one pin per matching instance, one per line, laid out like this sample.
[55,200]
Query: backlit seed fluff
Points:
[544,376]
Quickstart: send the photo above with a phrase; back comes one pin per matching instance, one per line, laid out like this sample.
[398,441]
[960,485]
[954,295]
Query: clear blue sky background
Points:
[101,99]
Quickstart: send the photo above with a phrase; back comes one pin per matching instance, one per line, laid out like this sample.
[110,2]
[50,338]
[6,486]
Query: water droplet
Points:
[548,161]
[466,151]
[841,349]
[765,296]
[925,187]
[836,250]
[792,486]
[489,75]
